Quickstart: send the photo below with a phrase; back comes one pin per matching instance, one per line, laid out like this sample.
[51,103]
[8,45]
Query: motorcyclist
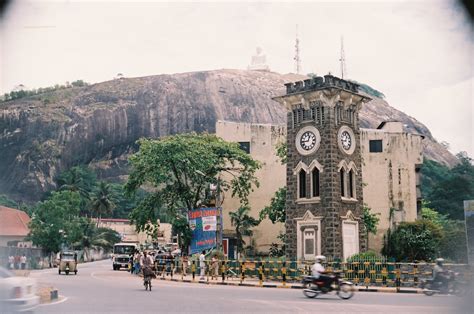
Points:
[318,271]
[439,274]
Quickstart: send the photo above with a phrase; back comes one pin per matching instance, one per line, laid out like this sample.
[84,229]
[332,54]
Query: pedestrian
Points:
[214,267]
[131,263]
[17,261]
[185,261]
[169,263]
[11,262]
[136,262]
[23,261]
[202,264]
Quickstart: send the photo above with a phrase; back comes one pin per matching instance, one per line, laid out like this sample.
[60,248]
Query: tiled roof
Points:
[13,222]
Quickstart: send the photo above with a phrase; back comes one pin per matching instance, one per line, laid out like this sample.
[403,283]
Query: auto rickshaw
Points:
[67,262]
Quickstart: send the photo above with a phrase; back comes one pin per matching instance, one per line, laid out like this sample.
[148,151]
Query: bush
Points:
[419,240]
[364,256]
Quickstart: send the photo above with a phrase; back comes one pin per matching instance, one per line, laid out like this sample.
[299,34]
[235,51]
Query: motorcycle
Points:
[312,287]
[452,284]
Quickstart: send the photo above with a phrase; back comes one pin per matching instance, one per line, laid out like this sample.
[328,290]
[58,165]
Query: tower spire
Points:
[297,53]
[343,60]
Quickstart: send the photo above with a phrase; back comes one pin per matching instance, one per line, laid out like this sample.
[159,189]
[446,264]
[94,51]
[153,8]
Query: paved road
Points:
[99,289]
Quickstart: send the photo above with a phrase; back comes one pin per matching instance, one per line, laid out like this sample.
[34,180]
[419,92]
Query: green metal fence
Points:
[372,271]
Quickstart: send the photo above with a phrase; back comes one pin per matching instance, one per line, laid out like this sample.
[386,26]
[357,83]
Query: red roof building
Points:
[13,225]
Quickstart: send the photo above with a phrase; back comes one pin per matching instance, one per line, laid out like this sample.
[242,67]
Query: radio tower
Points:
[343,60]
[297,53]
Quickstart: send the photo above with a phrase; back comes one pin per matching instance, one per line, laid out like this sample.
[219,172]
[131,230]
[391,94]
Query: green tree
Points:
[181,228]
[102,200]
[52,219]
[370,222]
[179,170]
[78,179]
[243,224]
[450,187]
[276,211]
[418,240]
[453,245]
[124,203]
[88,236]
[5,201]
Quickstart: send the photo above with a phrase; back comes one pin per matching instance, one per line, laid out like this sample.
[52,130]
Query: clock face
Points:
[308,140]
[346,140]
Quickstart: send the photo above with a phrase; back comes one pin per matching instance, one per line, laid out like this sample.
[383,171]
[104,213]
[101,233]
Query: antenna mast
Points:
[297,53]
[343,60]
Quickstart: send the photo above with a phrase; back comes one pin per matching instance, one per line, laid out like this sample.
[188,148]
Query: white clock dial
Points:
[308,140]
[346,140]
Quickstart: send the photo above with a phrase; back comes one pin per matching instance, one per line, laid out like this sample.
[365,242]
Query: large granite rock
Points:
[99,124]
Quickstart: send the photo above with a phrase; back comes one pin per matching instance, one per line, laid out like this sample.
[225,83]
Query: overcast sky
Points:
[419,54]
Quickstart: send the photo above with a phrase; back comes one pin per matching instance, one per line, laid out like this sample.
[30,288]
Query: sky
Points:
[418,53]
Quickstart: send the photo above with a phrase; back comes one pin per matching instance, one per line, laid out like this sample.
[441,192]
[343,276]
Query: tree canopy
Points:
[53,218]
[445,189]
[180,169]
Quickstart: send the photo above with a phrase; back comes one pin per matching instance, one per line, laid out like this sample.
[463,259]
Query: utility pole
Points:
[343,60]
[297,53]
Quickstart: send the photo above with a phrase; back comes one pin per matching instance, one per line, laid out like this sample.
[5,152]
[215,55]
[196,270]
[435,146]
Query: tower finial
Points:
[297,53]
[343,60]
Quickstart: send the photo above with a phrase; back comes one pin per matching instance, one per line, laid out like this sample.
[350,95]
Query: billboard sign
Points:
[203,223]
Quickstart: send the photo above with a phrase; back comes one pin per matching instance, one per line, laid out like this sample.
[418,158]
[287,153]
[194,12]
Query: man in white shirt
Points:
[318,271]
[202,264]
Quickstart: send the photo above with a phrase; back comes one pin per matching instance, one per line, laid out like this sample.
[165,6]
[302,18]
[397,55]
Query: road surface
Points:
[99,289]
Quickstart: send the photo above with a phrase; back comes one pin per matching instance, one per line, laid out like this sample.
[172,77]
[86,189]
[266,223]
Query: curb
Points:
[47,294]
[359,289]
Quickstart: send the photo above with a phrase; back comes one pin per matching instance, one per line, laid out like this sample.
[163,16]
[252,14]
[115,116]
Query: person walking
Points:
[17,261]
[185,261]
[214,267]
[23,261]
[11,262]
[202,264]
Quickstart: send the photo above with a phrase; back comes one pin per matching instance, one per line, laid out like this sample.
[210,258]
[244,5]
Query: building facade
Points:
[391,166]
[384,166]
[324,169]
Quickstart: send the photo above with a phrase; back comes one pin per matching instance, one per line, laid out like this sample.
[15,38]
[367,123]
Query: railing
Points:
[375,272]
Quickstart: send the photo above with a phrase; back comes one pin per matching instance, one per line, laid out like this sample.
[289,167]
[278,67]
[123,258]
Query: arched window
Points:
[302,183]
[315,182]
[351,184]
[343,182]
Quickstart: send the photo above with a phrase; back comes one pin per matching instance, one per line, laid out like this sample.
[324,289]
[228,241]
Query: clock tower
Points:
[324,181]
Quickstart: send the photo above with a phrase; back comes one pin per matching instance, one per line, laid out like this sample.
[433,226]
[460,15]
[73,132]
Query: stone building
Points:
[382,172]
[324,168]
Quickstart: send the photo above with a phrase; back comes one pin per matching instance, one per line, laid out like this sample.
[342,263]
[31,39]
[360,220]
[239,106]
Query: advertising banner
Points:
[203,223]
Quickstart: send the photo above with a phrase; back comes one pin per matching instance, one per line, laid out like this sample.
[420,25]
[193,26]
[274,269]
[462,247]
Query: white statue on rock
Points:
[258,62]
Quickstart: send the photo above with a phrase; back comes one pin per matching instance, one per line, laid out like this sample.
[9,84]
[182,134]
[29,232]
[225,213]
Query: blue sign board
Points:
[203,223]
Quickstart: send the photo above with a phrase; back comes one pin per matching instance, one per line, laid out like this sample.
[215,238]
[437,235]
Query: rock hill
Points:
[42,135]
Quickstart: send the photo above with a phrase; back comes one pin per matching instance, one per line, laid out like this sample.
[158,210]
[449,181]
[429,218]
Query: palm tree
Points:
[102,200]
[80,180]
[94,238]
[243,224]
